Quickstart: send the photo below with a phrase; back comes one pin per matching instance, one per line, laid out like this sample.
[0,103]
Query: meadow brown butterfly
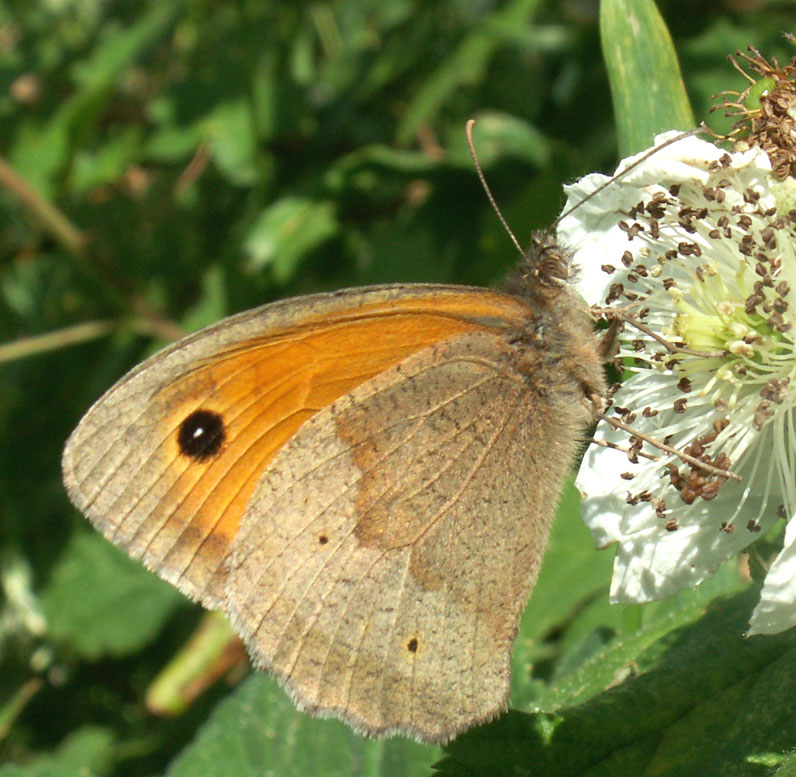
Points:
[363,481]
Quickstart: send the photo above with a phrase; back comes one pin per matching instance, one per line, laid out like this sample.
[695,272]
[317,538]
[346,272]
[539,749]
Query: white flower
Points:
[696,247]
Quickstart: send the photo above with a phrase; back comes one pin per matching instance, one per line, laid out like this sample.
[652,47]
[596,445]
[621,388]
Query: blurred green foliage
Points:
[164,164]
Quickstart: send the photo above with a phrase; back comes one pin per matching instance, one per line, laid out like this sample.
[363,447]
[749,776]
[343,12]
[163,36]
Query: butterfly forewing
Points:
[166,462]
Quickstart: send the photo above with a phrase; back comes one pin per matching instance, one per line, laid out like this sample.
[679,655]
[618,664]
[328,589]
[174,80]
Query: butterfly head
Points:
[545,272]
[548,262]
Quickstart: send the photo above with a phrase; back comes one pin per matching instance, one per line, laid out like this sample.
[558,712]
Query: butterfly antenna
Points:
[469,132]
[625,171]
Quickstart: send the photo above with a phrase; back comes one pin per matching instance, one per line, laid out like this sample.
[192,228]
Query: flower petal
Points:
[591,229]
[776,610]
[651,565]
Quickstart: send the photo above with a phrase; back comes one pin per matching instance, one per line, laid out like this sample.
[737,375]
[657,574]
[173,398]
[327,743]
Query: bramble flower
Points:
[694,250]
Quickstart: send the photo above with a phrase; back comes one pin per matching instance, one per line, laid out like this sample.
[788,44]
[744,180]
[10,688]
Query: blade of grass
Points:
[646,85]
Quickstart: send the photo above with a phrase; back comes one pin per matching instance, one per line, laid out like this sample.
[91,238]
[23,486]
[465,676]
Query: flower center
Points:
[708,288]
[735,322]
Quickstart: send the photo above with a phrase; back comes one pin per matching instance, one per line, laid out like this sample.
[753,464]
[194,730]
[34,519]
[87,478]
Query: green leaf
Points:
[378,156]
[686,695]
[646,85]
[86,752]
[234,145]
[499,135]
[465,65]
[257,731]
[786,769]
[285,231]
[108,163]
[100,602]
[573,570]
[212,303]
[573,573]
[41,152]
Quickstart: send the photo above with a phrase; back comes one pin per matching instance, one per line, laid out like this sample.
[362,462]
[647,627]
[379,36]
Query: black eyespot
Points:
[323,539]
[412,645]
[201,435]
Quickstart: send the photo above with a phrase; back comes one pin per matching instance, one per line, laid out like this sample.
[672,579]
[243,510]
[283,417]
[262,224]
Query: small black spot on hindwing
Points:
[412,645]
[201,435]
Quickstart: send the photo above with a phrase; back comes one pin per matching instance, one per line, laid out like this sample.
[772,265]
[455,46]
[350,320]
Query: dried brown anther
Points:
[769,122]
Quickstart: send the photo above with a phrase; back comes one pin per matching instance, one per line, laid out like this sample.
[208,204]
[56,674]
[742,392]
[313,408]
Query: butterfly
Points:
[363,481]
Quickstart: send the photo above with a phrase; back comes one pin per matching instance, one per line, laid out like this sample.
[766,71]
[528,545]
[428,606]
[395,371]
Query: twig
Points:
[51,218]
[51,341]
[82,333]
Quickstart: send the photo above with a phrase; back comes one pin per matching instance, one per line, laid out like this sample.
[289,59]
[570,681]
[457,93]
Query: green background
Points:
[166,163]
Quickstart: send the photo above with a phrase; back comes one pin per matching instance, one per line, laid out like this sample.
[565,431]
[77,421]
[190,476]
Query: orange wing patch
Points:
[263,390]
